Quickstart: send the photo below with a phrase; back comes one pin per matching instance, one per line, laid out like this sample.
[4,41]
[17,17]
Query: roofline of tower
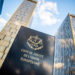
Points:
[33,1]
[71,15]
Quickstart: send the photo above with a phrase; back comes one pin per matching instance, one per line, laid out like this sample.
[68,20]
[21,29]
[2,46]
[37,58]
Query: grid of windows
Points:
[64,48]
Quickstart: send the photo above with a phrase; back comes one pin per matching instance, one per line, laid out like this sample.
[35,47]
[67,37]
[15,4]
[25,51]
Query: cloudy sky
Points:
[47,17]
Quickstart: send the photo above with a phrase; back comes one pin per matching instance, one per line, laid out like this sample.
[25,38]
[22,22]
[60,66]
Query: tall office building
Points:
[1,5]
[65,47]
[20,18]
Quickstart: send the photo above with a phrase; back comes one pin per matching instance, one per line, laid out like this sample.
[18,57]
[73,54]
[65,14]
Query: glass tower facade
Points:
[64,47]
[1,4]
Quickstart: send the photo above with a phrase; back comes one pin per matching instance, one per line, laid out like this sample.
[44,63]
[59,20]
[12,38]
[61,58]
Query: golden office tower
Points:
[20,18]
